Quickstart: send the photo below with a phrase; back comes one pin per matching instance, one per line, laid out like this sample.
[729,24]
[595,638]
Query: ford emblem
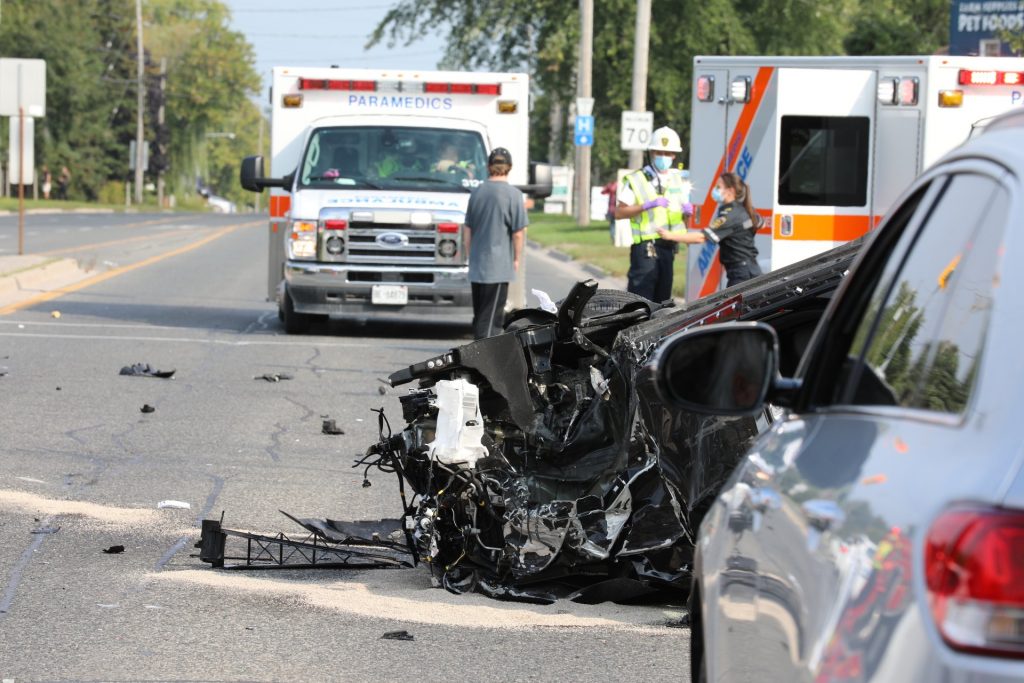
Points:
[392,239]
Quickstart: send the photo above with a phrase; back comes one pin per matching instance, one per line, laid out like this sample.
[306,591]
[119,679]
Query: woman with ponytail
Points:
[733,229]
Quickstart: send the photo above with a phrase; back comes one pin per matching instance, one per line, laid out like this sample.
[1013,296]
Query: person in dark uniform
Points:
[733,229]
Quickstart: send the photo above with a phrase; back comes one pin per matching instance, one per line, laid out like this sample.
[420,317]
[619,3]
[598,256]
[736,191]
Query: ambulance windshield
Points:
[394,158]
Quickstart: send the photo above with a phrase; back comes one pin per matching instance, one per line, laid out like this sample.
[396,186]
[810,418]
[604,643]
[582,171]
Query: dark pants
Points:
[741,272]
[488,308]
[651,276]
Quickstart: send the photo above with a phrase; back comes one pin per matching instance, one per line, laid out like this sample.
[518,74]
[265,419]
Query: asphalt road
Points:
[85,469]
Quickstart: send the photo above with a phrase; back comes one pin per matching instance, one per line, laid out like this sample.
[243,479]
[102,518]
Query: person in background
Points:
[656,200]
[610,189]
[494,235]
[63,181]
[47,182]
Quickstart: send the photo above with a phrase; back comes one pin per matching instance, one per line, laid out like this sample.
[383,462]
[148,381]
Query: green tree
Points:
[90,103]
[887,27]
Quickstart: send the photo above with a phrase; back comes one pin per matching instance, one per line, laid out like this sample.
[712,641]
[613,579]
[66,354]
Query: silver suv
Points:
[876,531]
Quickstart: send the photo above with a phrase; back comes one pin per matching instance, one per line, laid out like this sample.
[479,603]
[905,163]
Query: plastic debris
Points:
[114,549]
[54,314]
[46,530]
[146,370]
[274,376]
[331,427]
[174,504]
[398,635]
[147,408]
[546,304]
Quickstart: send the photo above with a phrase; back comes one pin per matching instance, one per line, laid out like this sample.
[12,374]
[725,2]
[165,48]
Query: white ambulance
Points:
[826,144]
[372,174]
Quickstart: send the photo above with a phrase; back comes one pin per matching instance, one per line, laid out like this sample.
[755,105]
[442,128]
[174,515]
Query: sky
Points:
[324,32]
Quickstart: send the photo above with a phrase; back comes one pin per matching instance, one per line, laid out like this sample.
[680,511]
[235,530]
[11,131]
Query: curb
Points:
[38,275]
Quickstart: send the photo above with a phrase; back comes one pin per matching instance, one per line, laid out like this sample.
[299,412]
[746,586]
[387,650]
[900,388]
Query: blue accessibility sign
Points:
[584,132]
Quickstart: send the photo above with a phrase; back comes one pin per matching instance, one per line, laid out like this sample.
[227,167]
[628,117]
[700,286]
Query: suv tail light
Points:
[974,571]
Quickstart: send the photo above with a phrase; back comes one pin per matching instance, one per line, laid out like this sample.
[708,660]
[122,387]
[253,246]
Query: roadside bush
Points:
[112,192]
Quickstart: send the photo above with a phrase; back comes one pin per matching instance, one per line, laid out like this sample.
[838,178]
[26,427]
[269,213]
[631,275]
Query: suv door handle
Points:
[823,514]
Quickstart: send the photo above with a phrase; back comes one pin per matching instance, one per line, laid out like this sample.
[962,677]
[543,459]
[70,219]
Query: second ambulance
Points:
[827,144]
[374,174]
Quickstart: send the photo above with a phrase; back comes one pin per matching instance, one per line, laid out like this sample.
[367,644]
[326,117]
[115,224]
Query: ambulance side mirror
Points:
[540,181]
[252,176]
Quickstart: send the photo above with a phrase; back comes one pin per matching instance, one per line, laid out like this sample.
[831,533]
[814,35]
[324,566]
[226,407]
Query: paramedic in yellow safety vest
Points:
[656,197]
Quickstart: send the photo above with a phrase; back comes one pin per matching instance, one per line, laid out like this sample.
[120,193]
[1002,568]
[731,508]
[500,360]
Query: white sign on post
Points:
[23,86]
[584,106]
[636,129]
[14,157]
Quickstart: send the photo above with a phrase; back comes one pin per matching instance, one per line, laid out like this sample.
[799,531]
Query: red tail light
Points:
[335,224]
[974,571]
[447,227]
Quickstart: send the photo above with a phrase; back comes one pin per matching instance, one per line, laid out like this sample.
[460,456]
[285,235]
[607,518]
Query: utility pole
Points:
[641,47]
[140,87]
[161,146]
[584,91]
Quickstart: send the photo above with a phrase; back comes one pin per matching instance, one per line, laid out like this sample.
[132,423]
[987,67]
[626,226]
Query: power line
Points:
[309,10]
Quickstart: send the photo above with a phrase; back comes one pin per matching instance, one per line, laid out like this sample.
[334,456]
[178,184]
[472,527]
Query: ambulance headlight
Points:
[302,240]
[334,245]
[446,248]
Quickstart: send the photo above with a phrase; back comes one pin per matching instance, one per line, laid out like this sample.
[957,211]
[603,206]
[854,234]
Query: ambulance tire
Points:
[294,323]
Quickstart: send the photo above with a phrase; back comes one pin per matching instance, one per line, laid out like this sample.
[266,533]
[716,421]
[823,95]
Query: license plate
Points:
[390,295]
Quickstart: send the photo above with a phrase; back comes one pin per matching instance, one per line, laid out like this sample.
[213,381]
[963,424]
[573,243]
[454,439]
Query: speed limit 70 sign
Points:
[636,129]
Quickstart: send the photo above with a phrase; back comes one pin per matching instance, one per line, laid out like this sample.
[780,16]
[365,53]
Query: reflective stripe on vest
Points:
[646,223]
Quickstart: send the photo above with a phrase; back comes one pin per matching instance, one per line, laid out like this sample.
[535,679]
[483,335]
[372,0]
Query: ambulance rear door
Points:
[731,130]
[823,175]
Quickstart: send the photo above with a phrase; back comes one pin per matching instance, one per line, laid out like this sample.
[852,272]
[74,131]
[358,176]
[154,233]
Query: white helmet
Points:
[665,140]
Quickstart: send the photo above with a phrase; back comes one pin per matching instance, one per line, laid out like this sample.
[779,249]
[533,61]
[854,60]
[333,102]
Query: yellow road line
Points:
[102,277]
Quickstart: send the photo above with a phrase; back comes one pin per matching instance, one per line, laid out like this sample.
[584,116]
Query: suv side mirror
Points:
[722,369]
[252,176]
[540,181]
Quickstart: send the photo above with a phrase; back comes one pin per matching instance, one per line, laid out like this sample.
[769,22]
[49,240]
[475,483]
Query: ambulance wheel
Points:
[294,323]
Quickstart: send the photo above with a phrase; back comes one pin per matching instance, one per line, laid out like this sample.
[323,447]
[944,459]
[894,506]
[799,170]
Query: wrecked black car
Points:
[542,464]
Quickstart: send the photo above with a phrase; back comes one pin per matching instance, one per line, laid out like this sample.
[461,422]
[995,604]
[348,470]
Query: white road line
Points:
[225,342]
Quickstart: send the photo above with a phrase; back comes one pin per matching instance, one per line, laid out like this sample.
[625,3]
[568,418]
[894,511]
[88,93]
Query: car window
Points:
[919,344]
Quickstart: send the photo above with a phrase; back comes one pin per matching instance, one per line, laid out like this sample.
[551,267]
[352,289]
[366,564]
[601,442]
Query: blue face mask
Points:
[716,194]
[662,163]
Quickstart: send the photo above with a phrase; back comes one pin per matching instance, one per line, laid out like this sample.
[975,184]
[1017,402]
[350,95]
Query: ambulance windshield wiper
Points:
[424,178]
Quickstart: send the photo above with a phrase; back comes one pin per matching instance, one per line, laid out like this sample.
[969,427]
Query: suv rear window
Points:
[823,160]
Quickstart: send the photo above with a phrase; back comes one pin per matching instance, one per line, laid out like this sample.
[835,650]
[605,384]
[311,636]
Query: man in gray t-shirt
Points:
[494,236]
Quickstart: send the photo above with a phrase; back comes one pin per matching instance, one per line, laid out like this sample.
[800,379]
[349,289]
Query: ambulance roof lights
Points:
[293,101]
[335,84]
[739,89]
[951,98]
[887,90]
[969,77]
[705,88]
[463,88]
[908,91]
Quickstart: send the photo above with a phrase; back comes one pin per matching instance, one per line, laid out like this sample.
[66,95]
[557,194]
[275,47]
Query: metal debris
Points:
[146,370]
[398,635]
[114,550]
[331,427]
[146,408]
[274,376]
